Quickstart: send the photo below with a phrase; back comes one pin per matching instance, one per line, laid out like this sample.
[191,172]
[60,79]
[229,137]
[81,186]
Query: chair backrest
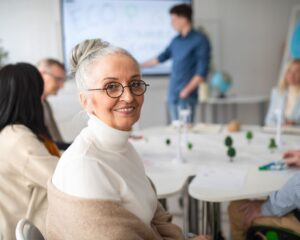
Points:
[25,230]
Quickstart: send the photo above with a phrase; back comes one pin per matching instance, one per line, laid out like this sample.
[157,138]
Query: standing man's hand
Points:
[292,158]
[191,86]
[252,210]
[183,93]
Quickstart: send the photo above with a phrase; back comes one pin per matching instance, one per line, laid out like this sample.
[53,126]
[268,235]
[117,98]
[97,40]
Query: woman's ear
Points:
[85,102]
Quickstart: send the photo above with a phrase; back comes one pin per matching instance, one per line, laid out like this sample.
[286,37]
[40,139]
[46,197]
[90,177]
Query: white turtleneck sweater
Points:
[102,164]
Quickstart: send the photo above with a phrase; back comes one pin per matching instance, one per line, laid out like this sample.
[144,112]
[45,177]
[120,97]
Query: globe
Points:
[220,82]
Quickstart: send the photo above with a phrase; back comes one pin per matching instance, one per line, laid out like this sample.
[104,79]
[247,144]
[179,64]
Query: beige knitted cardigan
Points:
[74,218]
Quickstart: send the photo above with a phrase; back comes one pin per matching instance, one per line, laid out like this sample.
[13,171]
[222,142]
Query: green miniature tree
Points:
[168,141]
[228,141]
[272,144]
[249,136]
[231,153]
[190,146]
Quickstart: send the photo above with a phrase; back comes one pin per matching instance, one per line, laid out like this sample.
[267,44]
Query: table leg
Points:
[210,220]
[168,117]
[209,118]
[217,223]
[185,199]
[192,212]
[193,215]
[262,113]
[215,113]
[205,217]
[203,116]
[225,114]
[234,111]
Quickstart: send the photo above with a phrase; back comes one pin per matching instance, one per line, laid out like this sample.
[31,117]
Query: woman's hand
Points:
[292,158]
[288,123]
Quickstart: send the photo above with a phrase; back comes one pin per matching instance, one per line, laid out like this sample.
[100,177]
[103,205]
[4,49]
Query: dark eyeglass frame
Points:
[123,87]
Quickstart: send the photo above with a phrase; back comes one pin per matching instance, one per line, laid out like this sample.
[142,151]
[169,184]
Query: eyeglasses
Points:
[58,79]
[115,89]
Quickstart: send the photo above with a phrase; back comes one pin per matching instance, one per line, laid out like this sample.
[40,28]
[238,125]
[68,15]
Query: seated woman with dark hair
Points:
[27,154]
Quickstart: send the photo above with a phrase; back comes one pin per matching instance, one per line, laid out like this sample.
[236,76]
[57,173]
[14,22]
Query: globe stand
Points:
[221,95]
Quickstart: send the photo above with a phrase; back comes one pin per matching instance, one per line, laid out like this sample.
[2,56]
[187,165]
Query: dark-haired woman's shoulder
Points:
[15,131]
[23,152]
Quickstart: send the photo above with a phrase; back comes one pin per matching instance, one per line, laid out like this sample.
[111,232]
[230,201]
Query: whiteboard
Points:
[141,27]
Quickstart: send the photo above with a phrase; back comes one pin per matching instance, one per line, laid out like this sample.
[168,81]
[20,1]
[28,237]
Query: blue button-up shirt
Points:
[191,56]
[285,200]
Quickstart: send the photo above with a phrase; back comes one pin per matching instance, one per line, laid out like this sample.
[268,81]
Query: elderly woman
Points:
[27,154]
[286,97]
[99,189]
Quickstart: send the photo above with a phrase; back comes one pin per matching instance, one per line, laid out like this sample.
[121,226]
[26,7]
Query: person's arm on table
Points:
[292,158]
[278,203]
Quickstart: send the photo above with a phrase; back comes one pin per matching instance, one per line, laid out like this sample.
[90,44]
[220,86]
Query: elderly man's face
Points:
[121,112]
[54,79]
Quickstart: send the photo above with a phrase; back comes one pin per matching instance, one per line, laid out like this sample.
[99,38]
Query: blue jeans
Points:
[182,103]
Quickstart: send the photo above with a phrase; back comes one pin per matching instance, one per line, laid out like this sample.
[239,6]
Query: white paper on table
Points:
[221,178]
[206,128]
[285,130]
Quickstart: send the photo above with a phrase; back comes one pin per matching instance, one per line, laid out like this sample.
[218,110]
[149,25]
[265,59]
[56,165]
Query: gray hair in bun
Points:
[85,53]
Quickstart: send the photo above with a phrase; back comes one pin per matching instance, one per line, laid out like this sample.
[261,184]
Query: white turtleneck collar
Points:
[107,136]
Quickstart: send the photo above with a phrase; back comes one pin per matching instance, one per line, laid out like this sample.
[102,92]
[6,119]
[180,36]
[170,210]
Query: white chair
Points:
[25,230]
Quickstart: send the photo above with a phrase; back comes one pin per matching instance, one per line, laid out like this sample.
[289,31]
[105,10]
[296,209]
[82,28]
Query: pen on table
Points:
[275,165]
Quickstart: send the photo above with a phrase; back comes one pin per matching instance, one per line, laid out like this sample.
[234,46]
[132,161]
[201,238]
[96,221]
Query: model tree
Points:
[228,141]
[249,136]
[272,144]
[190,146]
[168,141]
[231,153]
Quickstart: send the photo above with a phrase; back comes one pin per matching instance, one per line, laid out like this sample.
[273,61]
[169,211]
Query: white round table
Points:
[209,153]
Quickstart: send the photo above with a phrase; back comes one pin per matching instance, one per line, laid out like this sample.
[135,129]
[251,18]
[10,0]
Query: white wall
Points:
[252,35]
[248,38]
[30,29]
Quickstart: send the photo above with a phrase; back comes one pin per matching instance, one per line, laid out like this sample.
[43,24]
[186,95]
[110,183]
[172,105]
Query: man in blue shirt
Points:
[281,209]
[190,52]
